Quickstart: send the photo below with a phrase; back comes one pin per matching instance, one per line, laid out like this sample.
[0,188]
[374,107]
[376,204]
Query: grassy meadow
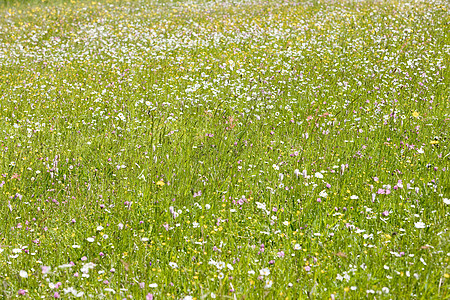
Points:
[225,149]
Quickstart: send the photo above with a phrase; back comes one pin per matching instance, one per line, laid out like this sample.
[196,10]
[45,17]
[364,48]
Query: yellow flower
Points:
[160,183]
[415,114]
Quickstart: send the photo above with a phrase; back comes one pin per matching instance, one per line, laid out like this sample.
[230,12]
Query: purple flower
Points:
[385,213]
[56,295]
[22,292]
[307,268]
[149,297]
[271,262]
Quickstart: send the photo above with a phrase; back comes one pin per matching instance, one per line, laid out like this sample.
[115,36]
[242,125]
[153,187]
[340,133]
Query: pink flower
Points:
[280,254]
[149,297]
[56,295]
[307,268]
[21,292]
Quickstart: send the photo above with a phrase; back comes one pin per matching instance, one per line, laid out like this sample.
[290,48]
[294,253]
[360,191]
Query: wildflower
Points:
[23,274]
[297,247]
[149,296]
[160,183]
[264,272]
[307,268]
[318,175]
[21,292]
[419,225]
[269,284]
[446,201]
[220,276]
[415,114]
[173,265]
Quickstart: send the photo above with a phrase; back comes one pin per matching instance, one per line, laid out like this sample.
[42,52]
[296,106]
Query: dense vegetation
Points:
[224,149]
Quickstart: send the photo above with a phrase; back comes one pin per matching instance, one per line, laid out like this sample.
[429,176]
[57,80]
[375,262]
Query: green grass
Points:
[243,150]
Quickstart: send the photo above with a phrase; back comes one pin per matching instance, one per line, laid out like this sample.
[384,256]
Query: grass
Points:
[224,149]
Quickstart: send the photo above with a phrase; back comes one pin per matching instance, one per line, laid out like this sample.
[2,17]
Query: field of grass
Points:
[225,149]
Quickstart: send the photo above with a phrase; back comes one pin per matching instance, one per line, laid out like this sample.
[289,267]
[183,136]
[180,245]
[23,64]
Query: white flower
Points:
[385,290]
[297,247]
[90,239]
[276,167]
[207,206]
[318,175]
[323,194]
[99,228]
[268,284]
[16,250]
[297,172]
[213,295]
[220,265]
[264,272]
[446,201]
[286,223]
[260,205]
[354,197]
[173,265]
[220,276]
[144,239]
[76,246]
[423,261]
[121,116]
[153,285]
[251,272]
[86,267]
[23,274]
[230,267]
[419,225]
[120,226]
